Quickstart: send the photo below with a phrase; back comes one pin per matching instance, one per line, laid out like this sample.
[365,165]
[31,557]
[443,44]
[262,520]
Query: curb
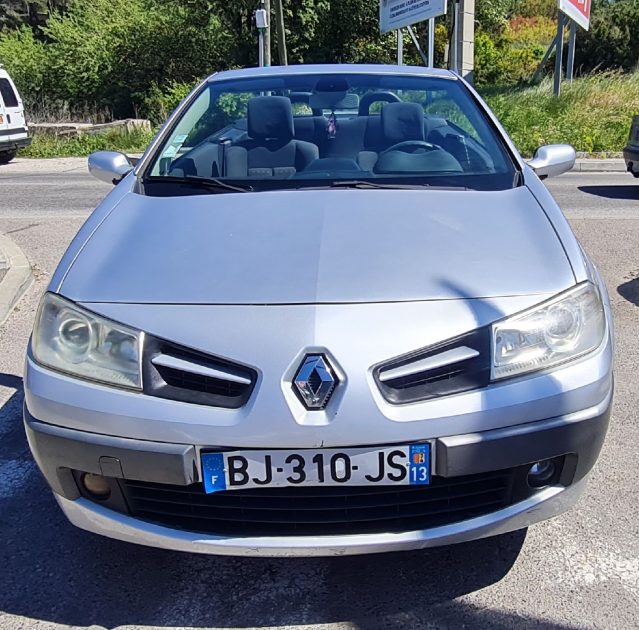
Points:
[600,166]
[17,279]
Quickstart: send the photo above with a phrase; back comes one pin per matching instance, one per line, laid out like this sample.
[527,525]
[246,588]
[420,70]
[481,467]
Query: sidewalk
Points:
[593,165]
[15,276]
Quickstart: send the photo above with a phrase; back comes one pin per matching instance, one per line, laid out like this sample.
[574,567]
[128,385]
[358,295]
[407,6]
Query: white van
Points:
[14,133]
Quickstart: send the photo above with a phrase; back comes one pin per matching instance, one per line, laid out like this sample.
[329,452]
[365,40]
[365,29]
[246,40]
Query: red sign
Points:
[577,10]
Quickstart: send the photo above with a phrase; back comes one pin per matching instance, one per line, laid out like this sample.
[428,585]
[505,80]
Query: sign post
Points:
[396,14]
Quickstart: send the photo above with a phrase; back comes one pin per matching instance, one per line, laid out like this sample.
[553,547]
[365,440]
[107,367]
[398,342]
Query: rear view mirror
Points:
[552,160]
[109,166]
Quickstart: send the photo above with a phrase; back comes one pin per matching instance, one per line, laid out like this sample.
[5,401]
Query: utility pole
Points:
[281,32]
[261,21]
[400,47]
[267,33]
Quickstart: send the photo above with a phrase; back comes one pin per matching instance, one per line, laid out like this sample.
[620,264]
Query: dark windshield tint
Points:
[313,130]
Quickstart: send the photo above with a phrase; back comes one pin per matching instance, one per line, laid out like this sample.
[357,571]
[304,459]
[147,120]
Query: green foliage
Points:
[98,53]
[25,58]
[593,113]
[536,8]
[613,38]
[512,57]
[158,102]
[48,146]
[492,15]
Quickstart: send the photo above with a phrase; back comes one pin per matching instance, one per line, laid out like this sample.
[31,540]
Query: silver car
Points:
[330,311]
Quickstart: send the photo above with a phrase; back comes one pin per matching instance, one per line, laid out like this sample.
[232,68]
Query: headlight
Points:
[563,328]
[75,341]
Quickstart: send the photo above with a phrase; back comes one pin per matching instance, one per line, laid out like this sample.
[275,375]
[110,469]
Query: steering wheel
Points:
[414,146]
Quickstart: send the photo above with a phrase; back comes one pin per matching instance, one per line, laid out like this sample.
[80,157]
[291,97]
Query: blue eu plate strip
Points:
[213,472]
[419,464]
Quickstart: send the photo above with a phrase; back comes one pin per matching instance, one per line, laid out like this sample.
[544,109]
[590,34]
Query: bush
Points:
[158,103]
[512,57]
[613,39]
[536,8]
[49,146]
[25,58]
[99,54]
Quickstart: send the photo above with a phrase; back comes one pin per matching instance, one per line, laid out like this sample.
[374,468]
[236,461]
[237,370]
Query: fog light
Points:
[541,473]
[96,485]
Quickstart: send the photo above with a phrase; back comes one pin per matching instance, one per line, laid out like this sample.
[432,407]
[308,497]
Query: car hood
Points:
[327,246]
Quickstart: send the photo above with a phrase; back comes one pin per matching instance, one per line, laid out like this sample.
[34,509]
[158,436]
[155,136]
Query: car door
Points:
[13,110]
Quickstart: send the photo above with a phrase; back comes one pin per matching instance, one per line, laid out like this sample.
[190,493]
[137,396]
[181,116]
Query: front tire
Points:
[7,156]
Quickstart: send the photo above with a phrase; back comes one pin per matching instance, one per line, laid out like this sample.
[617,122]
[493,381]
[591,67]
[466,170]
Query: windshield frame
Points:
[498,134]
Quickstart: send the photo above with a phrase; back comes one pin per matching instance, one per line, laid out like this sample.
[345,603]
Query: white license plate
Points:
[383,466]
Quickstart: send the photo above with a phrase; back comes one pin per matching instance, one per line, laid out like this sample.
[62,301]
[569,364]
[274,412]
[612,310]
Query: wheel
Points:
[7,156]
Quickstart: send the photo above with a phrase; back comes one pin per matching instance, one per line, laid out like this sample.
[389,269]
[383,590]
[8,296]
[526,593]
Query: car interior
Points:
[332,133]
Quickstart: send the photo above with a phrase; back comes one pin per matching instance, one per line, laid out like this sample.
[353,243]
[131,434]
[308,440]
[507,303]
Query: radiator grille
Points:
[320,510]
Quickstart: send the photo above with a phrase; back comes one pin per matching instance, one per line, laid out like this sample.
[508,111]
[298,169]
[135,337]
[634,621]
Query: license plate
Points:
[392,465]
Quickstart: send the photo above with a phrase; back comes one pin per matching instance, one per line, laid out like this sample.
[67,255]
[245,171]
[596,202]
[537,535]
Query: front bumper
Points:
[14,144]
[578,436]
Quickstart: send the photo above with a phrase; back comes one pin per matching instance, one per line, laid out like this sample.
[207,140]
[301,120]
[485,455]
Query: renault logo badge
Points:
[315,381]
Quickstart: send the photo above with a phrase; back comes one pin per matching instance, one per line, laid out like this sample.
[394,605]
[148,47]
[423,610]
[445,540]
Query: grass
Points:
[50,146]
[593,114]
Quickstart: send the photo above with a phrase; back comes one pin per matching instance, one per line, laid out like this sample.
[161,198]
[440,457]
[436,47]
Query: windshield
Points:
[320,130]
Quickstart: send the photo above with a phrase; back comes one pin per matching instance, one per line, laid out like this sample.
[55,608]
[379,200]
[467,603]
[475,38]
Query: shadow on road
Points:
[630,291]
[53,572]
[613,192]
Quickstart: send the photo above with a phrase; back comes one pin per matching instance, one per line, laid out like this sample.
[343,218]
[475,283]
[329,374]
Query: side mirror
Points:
[109,166]
[552,160]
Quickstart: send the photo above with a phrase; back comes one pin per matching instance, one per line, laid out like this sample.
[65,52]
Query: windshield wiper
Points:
[364,184]
[210,183]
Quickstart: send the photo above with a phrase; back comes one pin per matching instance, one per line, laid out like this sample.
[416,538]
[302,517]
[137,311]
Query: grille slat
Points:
[470,371]
[320,510]
[317,504]
[178,373]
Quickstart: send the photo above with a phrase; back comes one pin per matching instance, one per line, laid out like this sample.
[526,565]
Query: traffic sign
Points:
[394,14]
[577,10]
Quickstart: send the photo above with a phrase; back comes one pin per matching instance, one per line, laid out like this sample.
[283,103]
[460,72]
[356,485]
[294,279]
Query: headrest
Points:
[403,121]
[270,117]
[334,100]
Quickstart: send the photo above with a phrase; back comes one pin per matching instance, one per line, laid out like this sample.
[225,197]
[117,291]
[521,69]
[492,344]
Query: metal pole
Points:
[261,47]
[544,61]
[431,43]
[400,47]
[455,46]
[570,69]
[267,34]
[413,36]
[559,55]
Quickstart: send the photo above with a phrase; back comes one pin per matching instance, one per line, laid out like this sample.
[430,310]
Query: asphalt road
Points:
[580,570]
